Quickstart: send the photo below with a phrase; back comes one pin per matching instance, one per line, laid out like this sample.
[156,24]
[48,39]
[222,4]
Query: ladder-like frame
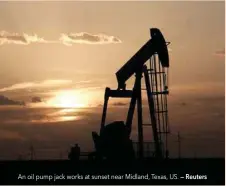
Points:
[157,91]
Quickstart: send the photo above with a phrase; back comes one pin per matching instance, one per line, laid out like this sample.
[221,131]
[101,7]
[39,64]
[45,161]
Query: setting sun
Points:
[67,99]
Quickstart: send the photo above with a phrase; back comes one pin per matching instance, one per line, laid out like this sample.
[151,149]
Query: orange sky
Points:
[49,47]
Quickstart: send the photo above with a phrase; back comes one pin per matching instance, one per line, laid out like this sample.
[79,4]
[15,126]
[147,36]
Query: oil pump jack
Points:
[113,141]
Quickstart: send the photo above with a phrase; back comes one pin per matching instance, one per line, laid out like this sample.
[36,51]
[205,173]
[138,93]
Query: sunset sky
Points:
[66,53]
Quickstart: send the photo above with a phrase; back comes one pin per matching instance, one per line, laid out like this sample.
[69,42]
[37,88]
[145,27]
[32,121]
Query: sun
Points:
[67,99]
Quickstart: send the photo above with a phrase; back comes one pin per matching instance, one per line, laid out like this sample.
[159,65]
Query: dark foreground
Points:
[172,171]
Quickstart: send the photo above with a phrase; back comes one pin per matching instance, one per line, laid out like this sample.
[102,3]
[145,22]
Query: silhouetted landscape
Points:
[88,99]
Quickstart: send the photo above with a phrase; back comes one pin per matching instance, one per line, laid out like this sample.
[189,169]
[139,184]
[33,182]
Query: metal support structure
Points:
[156,89]
[139,114]
[116,94]
[106,97]
[159,91]
[179,145]
[157,108]
[129,119]
[152,113]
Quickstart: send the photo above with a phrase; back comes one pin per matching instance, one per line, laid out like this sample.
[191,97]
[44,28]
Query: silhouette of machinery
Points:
[74,153]
[113,141]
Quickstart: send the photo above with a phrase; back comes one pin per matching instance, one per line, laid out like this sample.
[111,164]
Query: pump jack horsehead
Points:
[113,141]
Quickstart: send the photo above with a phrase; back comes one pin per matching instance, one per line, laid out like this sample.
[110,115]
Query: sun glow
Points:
[68,99]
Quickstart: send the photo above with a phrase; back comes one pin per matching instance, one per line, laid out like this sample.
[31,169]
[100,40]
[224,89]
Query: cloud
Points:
[220,53]
[6,101]
[66,39]
[43,84]
[87,38]
[20,39]
[119,104]
[36,100]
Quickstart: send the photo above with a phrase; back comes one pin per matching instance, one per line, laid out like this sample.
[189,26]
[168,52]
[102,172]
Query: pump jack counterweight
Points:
[117,134]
